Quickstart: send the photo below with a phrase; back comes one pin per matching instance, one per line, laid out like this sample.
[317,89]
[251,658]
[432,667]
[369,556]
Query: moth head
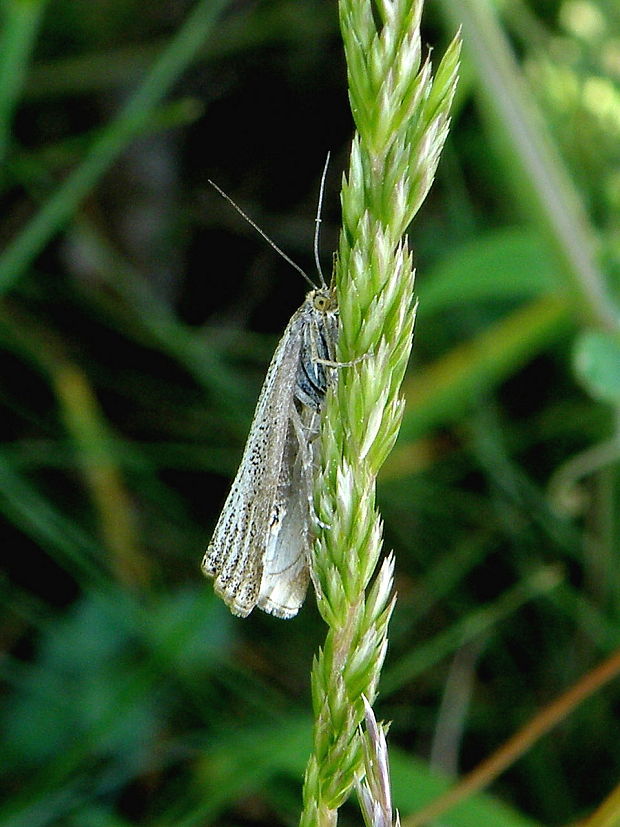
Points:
[324,301]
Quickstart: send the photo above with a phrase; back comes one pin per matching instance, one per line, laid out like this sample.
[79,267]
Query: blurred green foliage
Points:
[136,320]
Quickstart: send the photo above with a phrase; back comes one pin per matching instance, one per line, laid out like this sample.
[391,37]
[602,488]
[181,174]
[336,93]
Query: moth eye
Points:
[320,303]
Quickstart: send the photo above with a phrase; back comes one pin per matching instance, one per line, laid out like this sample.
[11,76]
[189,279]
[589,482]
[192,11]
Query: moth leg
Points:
[331,363]
[320,522]
[306,434]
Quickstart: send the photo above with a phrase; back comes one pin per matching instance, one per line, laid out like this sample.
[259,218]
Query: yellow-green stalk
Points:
[402,116]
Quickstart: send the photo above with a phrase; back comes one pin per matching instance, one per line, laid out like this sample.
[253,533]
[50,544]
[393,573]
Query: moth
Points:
[258,555]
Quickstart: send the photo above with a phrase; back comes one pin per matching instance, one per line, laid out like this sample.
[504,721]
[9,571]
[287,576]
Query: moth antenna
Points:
[317,222]
[263,234]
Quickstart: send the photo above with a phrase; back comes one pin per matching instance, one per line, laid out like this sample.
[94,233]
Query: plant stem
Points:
[401,116]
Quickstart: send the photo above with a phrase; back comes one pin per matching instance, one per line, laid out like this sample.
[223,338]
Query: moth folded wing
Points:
[232,558]
[285,565]
[286,562]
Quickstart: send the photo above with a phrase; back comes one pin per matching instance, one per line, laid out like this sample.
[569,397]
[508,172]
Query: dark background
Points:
[134,344]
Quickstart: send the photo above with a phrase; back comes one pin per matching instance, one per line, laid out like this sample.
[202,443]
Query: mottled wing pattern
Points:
[234,557]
